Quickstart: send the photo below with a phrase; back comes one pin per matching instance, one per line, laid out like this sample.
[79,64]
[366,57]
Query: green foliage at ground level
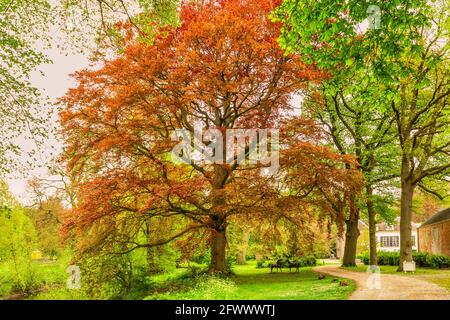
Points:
[422,259]
[247,283]
[260,284]
[39,276]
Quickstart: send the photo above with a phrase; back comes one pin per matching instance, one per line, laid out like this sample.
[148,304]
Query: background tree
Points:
[361,130]
[22,116]
[47,211]
[94,25]
[390,53]
[422,117]
[425,205]
[17,242]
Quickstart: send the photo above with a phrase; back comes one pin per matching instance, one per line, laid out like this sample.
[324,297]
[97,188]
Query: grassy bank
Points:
[255,283]
[247,283]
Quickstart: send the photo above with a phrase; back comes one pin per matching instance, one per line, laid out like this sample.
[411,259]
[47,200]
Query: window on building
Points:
[413,239]
[390,241]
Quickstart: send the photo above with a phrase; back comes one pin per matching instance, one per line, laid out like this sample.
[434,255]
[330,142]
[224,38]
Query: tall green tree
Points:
[358,129]
[422,113]
[405,50]
[22,24]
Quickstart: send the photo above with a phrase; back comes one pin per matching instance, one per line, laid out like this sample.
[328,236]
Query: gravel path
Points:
[392,287]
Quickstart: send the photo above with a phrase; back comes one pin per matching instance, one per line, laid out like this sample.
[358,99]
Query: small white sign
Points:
[409,266]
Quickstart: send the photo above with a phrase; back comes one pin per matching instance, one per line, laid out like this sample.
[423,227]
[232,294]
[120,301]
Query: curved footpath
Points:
[392,287]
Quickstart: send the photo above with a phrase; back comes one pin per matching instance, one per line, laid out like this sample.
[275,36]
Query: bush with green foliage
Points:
[260,264]
[438,261]
[203,258]
[307,261]
[422,259]
[17,243]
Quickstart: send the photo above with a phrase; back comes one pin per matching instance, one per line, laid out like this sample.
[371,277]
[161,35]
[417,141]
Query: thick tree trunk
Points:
[218,251]
[372,227]
[405,222]
[351,238]
[218,222]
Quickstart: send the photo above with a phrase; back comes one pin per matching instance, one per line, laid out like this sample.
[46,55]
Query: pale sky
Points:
[54,84]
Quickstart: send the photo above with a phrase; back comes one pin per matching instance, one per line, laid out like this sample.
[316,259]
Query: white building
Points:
[388,236]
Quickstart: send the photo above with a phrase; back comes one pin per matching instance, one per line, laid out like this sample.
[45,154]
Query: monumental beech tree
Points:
[221,68]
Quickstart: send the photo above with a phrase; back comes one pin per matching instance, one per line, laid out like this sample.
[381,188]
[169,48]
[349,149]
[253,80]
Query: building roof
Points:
[438,217]
[384,226]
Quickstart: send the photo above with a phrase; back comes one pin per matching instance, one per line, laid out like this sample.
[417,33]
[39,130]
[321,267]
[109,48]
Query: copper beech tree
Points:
[221,68]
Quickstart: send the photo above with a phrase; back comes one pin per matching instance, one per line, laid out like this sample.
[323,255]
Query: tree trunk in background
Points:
[152,266]
[152,252]
[241,256]
[405,221]
[340,245]
[372,227]
[351,237]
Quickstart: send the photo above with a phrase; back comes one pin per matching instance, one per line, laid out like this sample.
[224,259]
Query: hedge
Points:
[422,259]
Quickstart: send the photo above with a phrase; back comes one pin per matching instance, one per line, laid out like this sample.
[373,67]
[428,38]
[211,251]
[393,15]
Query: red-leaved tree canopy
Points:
[221,68]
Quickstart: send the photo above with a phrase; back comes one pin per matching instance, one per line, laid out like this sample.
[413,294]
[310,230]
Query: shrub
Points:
[438,261]
[231,260]
[307,261]
[422,259]
[388,258]
[364,257]
[195,271]
[260,264]
[203,258]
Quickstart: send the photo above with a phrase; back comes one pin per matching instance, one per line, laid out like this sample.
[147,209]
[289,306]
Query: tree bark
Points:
[218,251]
[372,227]
[152,252]
[241,256]
[218,222]
[351,237]
[405,221]
[152,266]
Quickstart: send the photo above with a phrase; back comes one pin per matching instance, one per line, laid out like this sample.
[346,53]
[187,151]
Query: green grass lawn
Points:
[440,277]
[250,283]
[259,284]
